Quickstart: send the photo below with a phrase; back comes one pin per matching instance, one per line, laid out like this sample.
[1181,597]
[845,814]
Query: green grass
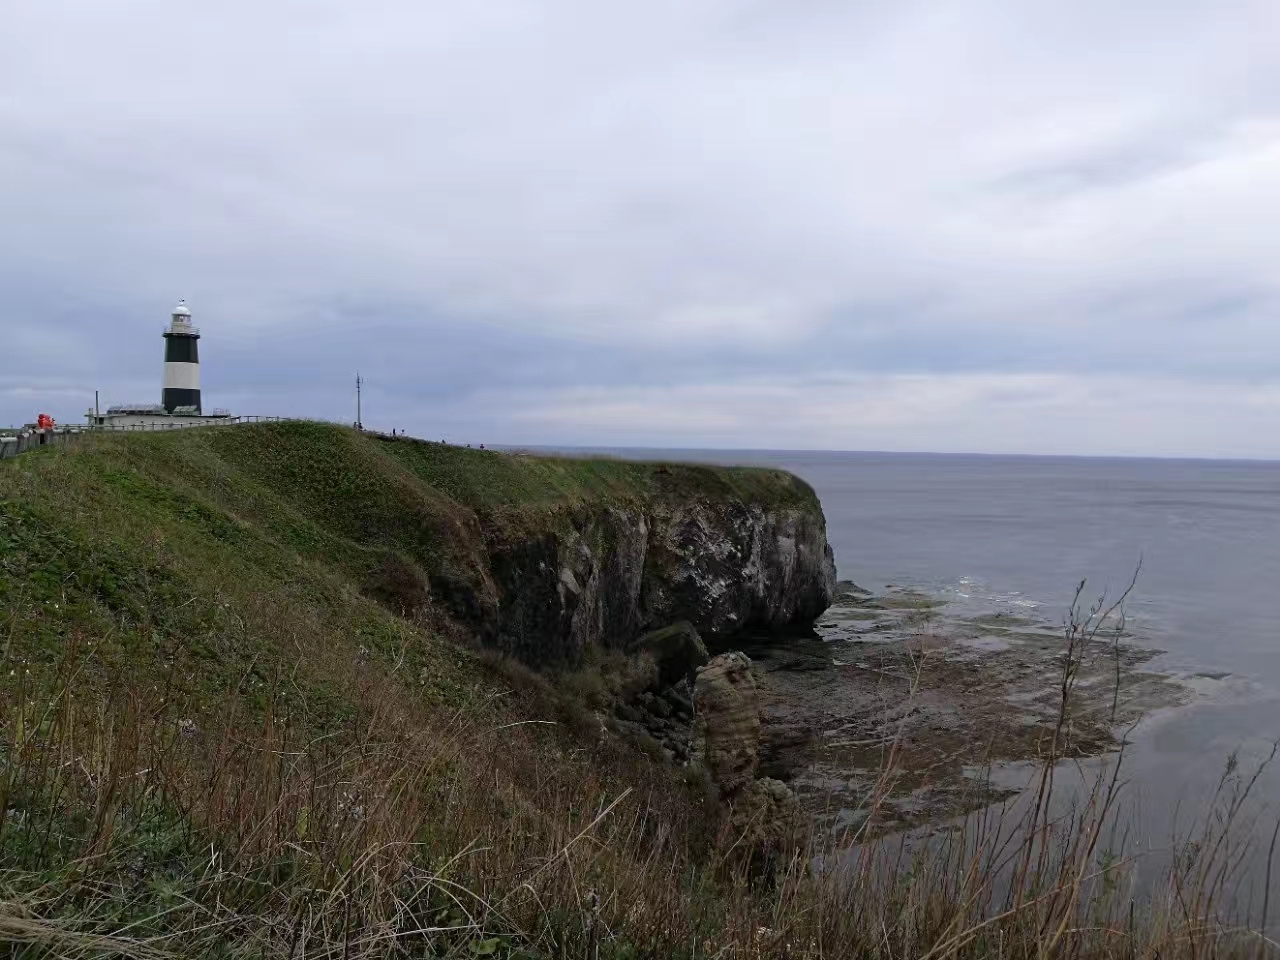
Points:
[491,481]
[184,565]
[219,580]
[191,545]
[216,742]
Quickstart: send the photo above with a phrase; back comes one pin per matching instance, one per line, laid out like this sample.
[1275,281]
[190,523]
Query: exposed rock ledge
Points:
[606,574]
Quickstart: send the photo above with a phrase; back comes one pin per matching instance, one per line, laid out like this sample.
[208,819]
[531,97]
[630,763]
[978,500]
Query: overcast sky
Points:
[962,225]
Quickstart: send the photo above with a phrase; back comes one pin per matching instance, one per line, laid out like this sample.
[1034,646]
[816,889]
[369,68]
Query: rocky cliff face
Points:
[606,575]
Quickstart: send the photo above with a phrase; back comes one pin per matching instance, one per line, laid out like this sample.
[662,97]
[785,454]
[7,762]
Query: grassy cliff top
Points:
[166,540]
[213,743]
[191,665]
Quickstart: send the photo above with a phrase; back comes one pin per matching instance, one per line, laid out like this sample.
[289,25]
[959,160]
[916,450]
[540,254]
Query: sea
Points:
[1020,533]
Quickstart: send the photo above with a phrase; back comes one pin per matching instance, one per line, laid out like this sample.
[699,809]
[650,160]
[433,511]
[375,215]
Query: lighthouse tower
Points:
[181,364]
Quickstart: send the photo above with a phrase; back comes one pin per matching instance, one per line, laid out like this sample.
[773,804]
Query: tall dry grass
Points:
[127,830]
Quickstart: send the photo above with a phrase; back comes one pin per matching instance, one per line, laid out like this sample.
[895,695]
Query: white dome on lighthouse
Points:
[181,310]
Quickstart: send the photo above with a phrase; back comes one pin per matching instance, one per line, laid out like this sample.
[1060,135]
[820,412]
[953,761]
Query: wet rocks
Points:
[946,691]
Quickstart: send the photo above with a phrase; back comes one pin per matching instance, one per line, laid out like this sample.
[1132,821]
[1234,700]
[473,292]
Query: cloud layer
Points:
[977,225]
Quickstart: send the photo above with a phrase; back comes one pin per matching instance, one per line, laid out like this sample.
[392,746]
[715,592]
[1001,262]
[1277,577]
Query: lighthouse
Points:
[181,364]
[179,404]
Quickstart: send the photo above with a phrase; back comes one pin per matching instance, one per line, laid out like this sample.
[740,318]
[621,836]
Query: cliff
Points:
[258,643]
[540,557]
[606,573]
[595,553]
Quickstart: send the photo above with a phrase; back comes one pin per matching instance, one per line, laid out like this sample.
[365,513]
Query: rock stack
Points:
[715,721]
[760,812]
[728,725]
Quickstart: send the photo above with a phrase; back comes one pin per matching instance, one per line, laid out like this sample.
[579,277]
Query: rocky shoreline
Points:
[894,697]
[901,698]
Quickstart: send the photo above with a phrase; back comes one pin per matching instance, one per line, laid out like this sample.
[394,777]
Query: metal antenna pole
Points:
[359,418]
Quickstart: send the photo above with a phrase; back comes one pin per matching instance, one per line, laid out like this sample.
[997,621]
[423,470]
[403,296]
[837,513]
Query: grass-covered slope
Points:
[215,740]
[197,546]
[220,736]
[195,556]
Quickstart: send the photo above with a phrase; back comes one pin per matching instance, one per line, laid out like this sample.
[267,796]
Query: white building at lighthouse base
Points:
[143,416]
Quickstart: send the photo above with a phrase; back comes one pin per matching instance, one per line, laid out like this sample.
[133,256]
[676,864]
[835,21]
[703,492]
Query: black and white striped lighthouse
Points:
[181,364]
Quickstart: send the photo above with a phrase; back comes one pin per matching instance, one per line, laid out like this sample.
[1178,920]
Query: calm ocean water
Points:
[1019,533]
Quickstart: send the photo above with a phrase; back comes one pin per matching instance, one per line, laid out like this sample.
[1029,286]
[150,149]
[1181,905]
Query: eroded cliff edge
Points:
[540,557]
[598,553]
[611,573]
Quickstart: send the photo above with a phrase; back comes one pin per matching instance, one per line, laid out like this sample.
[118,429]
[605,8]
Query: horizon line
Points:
[1182,458]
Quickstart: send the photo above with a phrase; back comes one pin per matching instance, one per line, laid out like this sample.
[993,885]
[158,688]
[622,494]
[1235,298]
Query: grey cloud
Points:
[487,204]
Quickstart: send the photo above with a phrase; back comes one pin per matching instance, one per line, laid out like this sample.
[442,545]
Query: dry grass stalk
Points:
[129,831]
